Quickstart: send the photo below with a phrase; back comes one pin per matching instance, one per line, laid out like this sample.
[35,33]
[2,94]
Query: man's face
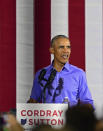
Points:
[61,50]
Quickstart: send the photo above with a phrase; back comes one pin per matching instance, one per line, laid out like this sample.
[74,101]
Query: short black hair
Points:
[81,117]
[57,37]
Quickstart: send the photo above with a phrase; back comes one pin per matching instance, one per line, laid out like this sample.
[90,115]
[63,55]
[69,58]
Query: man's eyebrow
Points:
[61,45]
[66,46]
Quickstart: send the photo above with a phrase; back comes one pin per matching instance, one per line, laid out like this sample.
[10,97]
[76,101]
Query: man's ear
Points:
[51,49]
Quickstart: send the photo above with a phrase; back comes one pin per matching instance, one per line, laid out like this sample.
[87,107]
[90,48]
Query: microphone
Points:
[41,76]
[42,73]
[52,76]
[58,89]
[49,82]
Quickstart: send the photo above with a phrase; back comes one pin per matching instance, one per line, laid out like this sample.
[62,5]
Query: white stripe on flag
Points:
[59,18]
[24,49]
[94,49]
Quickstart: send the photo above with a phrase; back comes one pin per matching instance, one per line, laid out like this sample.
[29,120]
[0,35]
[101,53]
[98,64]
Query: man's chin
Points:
[64,62]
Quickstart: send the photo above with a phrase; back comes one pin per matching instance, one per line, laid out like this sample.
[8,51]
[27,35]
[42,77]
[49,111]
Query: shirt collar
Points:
[66,66]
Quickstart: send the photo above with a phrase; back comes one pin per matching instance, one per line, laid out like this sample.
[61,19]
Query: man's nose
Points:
[65,49]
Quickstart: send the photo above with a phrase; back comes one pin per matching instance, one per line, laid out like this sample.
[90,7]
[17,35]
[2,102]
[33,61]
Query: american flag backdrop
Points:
[26,28]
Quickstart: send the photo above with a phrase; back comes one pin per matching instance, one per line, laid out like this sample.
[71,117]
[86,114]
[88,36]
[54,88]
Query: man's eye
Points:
[69,47]
[61,46]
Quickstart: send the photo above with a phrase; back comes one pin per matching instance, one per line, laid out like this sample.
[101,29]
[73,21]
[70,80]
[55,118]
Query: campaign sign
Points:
[31,115]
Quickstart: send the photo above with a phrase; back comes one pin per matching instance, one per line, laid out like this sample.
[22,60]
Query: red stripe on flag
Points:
[7,55]
[42,33]
[77,32]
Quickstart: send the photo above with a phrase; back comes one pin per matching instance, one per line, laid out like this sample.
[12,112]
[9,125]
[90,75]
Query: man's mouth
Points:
[65,56]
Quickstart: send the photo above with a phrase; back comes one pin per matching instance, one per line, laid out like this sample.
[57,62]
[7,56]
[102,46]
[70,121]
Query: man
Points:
[60,80]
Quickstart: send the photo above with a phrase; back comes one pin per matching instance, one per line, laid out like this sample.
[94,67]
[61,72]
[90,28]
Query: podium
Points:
[32,115]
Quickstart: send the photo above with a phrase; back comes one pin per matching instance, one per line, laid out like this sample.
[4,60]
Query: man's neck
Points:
[58,67]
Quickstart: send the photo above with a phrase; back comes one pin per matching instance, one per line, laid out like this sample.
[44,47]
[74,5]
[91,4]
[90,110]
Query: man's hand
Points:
[31,101]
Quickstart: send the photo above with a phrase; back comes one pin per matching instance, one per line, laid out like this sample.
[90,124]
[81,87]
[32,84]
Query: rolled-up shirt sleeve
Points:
[84,92]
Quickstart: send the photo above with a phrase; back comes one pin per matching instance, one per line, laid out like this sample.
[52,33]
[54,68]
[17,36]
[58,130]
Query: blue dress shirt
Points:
[70,82]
